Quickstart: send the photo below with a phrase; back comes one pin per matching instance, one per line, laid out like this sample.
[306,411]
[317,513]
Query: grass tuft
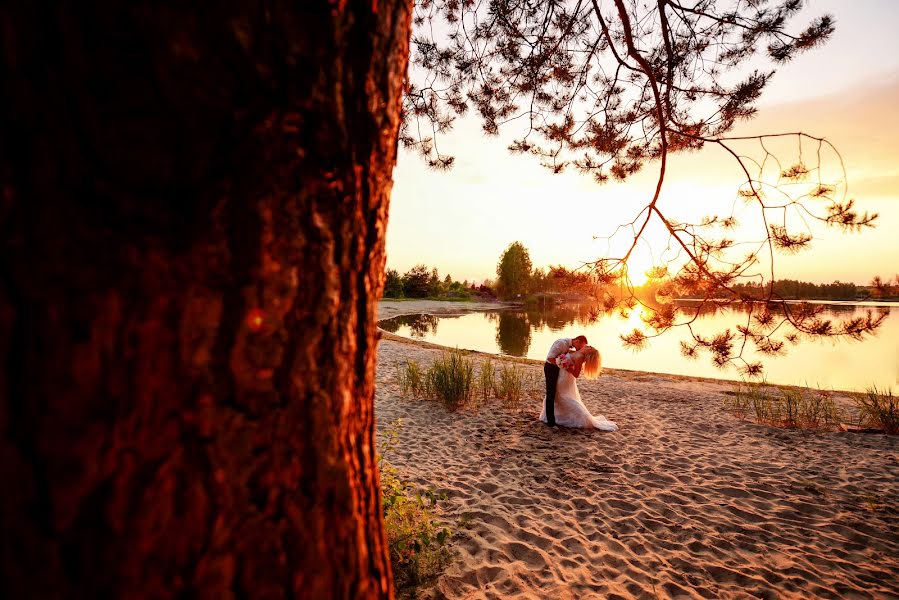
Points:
[451,379]
[510,387]
[878,410]
[486,384]
[412,379]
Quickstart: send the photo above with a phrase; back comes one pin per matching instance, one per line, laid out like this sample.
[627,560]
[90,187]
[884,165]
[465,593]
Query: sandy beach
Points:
[685,501]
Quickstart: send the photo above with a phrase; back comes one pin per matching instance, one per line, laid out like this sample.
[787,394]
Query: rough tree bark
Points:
[192,218]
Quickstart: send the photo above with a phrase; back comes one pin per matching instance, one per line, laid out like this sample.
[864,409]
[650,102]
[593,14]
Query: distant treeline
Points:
[516,279]
[792,289]
[422,282]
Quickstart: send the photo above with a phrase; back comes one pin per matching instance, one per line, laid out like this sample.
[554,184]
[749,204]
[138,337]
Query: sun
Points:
[638,266]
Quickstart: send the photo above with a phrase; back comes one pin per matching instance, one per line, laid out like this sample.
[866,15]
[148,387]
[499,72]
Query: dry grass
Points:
[459,382]
[487,380]
[878,410]
[412,379]
[510,386]
[792,408]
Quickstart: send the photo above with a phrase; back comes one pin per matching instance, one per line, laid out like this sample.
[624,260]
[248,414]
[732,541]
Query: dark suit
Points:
[551,372]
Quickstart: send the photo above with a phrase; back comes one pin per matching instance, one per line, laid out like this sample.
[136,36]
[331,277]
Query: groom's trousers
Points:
[551,372]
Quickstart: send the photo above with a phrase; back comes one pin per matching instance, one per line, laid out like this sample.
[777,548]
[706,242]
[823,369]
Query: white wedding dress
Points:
[570,411]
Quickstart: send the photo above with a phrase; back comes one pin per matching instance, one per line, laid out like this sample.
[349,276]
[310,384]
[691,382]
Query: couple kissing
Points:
[569,358]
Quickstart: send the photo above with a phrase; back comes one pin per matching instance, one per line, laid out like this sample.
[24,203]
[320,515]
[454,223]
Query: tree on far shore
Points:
[434,285]
[393,284]
[884,288]
[513,271]
[416,282]
[792,289]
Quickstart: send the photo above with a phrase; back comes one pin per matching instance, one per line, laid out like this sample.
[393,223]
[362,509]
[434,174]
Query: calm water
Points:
[829,364]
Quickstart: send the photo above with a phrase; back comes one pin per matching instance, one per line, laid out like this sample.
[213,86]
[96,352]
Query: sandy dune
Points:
[683,502]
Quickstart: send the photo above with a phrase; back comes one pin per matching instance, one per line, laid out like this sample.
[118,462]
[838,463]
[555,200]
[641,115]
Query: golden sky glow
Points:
[847,91]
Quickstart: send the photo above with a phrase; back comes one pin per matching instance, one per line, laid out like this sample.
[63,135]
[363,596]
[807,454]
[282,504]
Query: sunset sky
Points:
[846,91]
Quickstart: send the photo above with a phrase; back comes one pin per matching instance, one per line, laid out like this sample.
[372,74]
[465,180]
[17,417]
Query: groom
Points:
[551,371]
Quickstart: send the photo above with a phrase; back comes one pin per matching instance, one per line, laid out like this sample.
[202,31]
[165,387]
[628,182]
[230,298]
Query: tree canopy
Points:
[417,282]
[513,271]
[609,86]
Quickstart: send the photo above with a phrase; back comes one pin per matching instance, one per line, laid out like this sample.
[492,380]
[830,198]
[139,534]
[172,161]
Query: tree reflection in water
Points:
[513,332]
[560,316]
[513,328]
[419,325]
[689,308]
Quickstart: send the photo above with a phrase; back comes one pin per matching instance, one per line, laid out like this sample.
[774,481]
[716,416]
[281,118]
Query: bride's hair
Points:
[592,362]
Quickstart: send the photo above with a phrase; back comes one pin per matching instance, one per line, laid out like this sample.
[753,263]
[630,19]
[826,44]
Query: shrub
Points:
[878,410]
[510,386]
[417,282]
[417,540]
[451,379]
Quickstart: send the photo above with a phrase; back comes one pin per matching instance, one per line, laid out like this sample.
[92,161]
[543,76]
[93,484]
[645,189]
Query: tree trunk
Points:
[192,216]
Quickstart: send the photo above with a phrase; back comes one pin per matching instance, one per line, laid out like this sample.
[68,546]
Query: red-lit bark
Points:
[192,219]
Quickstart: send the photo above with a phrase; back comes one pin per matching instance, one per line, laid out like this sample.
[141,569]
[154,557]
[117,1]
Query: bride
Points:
[570,410]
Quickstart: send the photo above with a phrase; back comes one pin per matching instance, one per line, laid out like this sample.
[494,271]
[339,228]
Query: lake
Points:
[840,364]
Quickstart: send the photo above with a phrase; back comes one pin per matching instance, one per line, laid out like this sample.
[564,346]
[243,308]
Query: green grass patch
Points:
[451,379]
[418,540]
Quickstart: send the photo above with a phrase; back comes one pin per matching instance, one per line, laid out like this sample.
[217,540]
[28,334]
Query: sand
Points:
[684,501]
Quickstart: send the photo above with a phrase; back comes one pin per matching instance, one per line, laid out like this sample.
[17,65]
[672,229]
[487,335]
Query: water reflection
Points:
[513,332]
[835,363]
[419,325]
[835,310]
[561,316]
